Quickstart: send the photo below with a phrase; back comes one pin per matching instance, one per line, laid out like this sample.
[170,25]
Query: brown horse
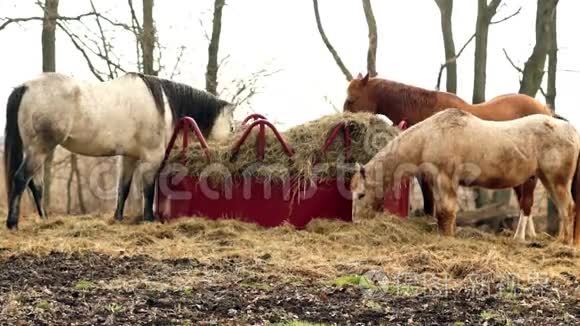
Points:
[414,104]
[454,148]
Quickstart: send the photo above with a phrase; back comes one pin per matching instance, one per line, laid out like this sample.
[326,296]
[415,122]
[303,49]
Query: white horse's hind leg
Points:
[31,165]
[36,186]
[127,169]
[522,226]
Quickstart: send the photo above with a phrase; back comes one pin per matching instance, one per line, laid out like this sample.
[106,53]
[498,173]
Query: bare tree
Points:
[553,217]
[75,174]
[485,13]
[552,63]
[211,74]
[148,38]
[446,10]
[329,46]
[373,38]
[49,65]
[533,71]
[452,60]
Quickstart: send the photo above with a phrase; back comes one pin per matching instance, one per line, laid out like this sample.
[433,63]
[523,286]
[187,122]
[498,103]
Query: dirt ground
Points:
[82,270]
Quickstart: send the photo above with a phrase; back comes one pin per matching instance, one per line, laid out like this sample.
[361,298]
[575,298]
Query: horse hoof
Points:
[12,225]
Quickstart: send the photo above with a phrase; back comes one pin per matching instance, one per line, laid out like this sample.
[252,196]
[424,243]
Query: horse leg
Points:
[128,166]
[427,195]
[30,166]
[149,173]
[528,203]
[563,200]
[525,195]
[446,208]
[36,187]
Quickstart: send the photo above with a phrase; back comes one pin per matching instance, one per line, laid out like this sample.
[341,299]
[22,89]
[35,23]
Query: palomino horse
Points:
[132,116]
[455,148]
[413,104]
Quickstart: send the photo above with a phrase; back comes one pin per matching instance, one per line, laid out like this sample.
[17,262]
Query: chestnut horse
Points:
[400,102]
[454,148]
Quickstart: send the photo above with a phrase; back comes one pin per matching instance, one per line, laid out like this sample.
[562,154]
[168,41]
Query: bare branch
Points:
[541,89]
[329,46]
[138,32]
[443,66]
[177,62]
[520,70]
[507,17]
[373,38]
[8,21]
[103,40]
[492,7]
[73,39]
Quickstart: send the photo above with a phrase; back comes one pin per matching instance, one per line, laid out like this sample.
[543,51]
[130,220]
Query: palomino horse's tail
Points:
[560,117]
[13,154]
[576,196]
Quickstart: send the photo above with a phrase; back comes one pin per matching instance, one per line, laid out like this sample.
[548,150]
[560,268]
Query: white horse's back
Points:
[114,117]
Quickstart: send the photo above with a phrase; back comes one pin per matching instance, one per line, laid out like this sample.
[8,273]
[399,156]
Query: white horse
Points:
[132,116]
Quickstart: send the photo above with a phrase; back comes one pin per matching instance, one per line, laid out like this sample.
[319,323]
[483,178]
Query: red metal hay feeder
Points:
[251,200]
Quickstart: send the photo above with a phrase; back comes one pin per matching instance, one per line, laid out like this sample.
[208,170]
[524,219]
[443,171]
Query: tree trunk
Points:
[485,13]
[373,38]
[69,189]
[74,166]
[534,68]
[48,65]
[213,49]
[328,45]
[446,9]
[148,38]
[553,217]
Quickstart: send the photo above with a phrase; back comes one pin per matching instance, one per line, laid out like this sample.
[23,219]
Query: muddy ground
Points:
[90,288]
[86,271]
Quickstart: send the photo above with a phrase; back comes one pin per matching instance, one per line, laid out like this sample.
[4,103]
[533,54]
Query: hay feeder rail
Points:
[249,199]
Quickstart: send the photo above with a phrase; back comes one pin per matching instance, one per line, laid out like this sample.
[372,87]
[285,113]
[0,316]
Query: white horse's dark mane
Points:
[185,101]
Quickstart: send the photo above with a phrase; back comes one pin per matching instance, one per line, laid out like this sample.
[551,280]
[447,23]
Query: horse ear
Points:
[359,76]
[228,106]
[360,169]
[365,79]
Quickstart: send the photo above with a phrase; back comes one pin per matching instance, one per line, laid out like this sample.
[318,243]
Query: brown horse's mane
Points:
[408,95]
[411,102]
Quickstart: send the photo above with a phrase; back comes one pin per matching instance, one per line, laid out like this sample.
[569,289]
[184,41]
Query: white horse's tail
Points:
[13,153]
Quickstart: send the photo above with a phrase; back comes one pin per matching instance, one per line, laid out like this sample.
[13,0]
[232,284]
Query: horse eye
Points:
[361,196]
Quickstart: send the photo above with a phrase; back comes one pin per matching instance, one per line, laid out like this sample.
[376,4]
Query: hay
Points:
[369,134]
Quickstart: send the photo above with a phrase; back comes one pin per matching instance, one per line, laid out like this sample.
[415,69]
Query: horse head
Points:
[360,96]
[224,124]
[363,196]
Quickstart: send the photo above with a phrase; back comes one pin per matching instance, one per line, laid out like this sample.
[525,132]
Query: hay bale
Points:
[369,134]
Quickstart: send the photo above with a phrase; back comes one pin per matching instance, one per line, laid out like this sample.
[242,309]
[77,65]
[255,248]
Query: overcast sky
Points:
[282,35]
